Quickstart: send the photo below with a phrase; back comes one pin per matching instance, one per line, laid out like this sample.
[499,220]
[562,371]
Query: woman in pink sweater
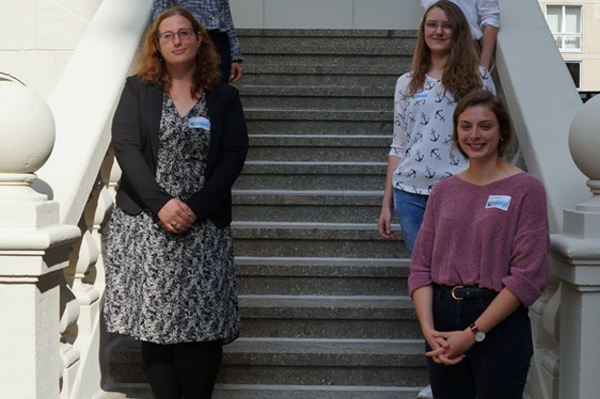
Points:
[480,259]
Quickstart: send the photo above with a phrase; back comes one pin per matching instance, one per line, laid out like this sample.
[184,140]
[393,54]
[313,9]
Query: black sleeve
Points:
[129,147]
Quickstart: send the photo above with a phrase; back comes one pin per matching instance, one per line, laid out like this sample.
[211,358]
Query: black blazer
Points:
[135,141]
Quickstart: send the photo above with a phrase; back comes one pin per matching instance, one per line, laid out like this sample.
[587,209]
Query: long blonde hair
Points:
[461,75]
[151,66]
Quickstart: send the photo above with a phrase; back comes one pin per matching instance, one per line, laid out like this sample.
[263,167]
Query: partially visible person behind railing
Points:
[180,138]
[484,21]
[480,260]
[215,16]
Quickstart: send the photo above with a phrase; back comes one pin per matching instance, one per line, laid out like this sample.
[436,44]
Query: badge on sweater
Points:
[498,201]
[200,122]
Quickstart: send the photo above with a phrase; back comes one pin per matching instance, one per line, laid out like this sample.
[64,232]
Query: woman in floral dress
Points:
[180,138]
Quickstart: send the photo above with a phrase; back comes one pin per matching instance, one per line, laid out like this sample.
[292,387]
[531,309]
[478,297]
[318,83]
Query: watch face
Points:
[480,336]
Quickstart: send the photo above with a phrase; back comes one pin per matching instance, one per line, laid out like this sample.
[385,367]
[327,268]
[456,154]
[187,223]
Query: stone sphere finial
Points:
[584,144]
[27,128]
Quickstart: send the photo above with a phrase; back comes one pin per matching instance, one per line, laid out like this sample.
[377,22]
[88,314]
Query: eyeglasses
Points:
[433,25]
[184,34]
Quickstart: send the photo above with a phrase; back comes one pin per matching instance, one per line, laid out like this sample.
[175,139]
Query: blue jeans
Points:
[410,209]
[493,369]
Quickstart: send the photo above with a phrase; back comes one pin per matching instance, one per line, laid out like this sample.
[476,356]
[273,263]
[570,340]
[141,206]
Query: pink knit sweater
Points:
[471,236]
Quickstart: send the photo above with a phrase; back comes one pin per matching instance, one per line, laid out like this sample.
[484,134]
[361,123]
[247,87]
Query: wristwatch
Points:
[479,335]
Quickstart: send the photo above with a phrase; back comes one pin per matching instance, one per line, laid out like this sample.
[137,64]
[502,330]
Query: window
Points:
[565,24]
[575,71]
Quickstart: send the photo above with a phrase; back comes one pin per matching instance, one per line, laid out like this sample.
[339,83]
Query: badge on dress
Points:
[498,201]
[200,122]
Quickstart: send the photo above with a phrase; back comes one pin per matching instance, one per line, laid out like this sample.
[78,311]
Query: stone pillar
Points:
[576,262]
[33,250]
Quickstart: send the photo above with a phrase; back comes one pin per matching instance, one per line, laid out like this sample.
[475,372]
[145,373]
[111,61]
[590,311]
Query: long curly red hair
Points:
[151,66]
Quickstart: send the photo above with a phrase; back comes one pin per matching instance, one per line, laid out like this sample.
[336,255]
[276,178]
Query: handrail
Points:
[84,99]
[82,103]
[542,100]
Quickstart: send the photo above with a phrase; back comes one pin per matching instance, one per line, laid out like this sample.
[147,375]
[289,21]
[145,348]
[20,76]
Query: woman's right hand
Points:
[176,217]
[438,346]
[385,222]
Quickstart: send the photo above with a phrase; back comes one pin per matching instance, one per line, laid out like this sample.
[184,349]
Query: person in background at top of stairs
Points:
[480,260]
[484,21]
[180,137]
[422,152]
[215,16]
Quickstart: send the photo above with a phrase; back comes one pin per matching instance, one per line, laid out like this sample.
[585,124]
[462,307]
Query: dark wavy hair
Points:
[461,74]
[494,104]
[152,68]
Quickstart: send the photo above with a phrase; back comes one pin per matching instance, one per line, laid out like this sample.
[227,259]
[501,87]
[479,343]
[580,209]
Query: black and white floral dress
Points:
[171,288]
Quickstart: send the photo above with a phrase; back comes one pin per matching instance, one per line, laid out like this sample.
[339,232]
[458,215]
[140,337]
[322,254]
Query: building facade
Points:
[575,25]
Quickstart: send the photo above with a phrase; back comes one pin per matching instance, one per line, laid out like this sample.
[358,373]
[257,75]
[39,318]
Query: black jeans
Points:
[493,369]
[221,42]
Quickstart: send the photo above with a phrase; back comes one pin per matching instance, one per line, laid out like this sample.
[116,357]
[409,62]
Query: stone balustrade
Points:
[34,250]
[576,263]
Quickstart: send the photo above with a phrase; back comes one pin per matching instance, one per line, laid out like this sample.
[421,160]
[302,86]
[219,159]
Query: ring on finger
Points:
[175,225]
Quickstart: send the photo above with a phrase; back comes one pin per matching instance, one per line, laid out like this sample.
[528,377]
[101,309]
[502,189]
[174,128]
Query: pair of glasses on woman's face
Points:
[433,25]
[184,34]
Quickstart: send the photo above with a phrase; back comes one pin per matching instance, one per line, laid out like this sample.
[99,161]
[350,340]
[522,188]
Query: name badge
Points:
[421,96]
[200,122]
[498,201]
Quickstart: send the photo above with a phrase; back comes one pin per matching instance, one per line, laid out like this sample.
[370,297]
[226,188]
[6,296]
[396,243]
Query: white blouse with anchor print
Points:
[423,134]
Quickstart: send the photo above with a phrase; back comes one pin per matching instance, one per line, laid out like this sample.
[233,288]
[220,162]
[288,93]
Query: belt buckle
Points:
[454,295]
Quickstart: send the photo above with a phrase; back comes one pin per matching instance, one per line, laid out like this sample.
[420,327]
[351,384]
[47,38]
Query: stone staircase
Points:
[323,299]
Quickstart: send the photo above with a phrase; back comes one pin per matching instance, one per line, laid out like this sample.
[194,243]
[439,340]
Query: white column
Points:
[33,250]
[576,261]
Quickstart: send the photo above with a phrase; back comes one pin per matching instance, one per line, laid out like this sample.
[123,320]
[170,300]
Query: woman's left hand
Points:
[458,342]
[176,217]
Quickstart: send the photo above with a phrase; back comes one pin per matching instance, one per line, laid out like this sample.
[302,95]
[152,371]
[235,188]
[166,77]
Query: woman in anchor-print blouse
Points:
[446,69]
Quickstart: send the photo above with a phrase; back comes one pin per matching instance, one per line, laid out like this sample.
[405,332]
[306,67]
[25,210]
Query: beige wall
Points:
[590,56]
[326,14]
[37,38]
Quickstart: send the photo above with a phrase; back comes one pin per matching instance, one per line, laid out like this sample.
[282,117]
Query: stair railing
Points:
[543,101]
[77,177]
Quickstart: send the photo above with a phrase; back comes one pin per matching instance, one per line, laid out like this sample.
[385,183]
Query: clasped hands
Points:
[176,217]
[449,347]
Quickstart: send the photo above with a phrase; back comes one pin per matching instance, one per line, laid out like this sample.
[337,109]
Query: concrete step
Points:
[255,391]
[278,175]
[259,125]
[311,316]
[322,276]
[307,206]
[395,63]
[279,361]
[323,98]
[331,240]
[317,115]
[272,121]
[257,73]
[291,41]
[324,148]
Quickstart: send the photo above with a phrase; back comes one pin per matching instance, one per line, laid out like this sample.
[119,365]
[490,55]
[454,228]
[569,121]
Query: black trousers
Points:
[221,42]
[493,369]
[182,371]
